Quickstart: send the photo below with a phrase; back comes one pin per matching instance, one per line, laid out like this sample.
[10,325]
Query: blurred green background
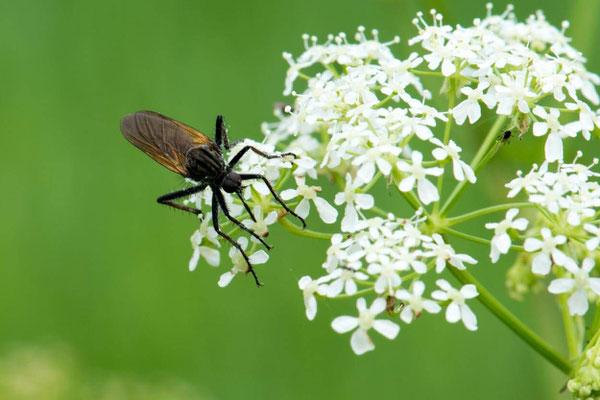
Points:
[94,287]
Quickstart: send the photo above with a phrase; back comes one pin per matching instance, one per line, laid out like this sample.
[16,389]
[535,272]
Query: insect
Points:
[191,154]
[505,137]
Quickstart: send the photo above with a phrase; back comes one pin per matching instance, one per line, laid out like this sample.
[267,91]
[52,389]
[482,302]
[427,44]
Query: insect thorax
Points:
[205,164]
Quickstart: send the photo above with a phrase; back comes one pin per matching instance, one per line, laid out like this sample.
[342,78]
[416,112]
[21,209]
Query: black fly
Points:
[188,152]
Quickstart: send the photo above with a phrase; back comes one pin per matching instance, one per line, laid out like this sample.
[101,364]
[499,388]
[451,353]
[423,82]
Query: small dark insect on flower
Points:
[505,137]
[189,153]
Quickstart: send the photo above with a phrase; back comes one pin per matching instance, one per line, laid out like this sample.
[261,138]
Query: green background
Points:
[94,287]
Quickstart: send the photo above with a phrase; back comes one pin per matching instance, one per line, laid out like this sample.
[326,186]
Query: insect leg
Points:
[215,218]
[239,195]
[221,133]
[167,198]
[274,193]
[245,149]
[223,206]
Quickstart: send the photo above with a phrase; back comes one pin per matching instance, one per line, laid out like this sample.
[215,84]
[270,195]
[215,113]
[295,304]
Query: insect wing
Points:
[165,140]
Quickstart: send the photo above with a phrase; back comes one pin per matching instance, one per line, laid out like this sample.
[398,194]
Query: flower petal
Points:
[578,302]
[377,306]
[303,208]
[344,324]
[469,291]
[361,342]
[468,317]
[326,211]
[561,285]
[406,315]
[386,328]
[427,191]
[407,183]
[260,257]
[554,147]
[532,244]
[194,260]
[453,313]
[226,278]
[541,264]
[310,303]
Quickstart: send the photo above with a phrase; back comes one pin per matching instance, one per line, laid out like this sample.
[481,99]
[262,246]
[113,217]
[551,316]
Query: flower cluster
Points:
[387,257]
[567,200]
[359,116]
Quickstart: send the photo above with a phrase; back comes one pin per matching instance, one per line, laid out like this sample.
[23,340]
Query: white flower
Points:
[548,251]
[343,279]
[408,257]
[206,233]
[457,309]
[577,207]
[549,197]
[578,301]
[515,90]
[445,253]
[309,287]
[416,302]
[470,107]
[587,118]
[460,168]
[416,173]
[360,340]
[501,241]
[326,211]
[387,271]
[529,182]
[416,125]
[260,226]
[410,234]
[558,131]
[239,263]
[444,54]
[375,155]
[354,201]
[341,250]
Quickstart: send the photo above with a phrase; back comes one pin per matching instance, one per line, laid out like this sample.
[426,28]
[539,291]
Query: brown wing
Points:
[162,138]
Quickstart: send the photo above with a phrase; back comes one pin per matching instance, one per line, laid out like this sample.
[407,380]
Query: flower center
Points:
[365,320]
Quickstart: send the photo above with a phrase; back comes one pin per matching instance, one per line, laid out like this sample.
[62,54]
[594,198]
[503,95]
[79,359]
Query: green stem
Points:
[477,239]
[513,323]
[282,181]
[334,71]
[447,130]
[440,75]
[426,73]
[303,232]
[475,164]
[384,101]
[409,196]
[595,326]
[485,211]
[545,213]
[347,296]
[382,213]
[370,184]
[570,328]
